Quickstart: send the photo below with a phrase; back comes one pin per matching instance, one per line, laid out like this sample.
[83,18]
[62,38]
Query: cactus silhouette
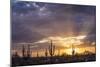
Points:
[73,50]
[46,52]
[51,49]
[37,54]
[28,51]
[23,51]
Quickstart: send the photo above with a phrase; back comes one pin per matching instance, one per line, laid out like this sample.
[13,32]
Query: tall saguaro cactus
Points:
[46,53]
[23,51]
[51,49]
[28,51]
[37,54]
[73,50]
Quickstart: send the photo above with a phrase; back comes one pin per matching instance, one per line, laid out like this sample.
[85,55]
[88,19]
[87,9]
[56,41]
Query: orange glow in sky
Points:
[63,41]
[66,42]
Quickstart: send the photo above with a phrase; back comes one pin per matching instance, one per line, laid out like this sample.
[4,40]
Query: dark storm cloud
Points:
[22,33]
[90,38]
[85,9]
[33,21]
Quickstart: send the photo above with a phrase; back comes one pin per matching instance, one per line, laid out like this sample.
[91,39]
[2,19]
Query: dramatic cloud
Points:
[33,21]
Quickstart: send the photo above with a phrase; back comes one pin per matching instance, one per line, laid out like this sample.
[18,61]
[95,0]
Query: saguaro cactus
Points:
[73,50]
[23,51]
[51,49]
[46,53]
[37,54]
[28,51]
[15,54]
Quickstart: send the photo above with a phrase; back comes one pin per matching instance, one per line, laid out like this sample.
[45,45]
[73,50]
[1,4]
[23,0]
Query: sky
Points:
[36,22]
